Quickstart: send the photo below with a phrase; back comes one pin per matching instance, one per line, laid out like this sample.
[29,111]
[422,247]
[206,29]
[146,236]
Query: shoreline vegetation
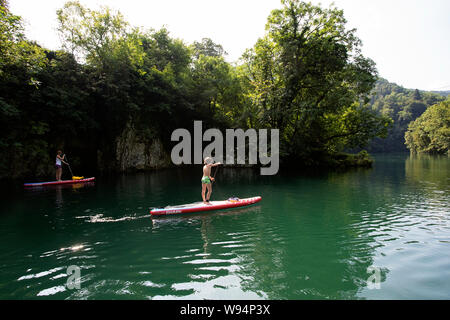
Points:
[114,93]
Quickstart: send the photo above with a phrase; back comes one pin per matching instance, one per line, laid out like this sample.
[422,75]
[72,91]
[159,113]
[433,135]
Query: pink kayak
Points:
[51,183]
[200,206]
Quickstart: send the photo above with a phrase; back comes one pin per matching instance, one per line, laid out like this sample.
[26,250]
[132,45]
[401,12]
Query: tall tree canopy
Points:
[430,133]
[307,77]
[21,62]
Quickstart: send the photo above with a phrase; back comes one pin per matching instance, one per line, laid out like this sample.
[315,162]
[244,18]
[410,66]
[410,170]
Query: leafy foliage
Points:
[430,133]
[306,77]
[401,105]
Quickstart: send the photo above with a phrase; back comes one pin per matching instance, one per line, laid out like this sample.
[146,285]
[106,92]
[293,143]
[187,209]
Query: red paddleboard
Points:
[51,183]
[200,206]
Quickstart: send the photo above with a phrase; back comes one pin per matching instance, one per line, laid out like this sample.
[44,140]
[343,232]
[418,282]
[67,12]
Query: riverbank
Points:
[339,161]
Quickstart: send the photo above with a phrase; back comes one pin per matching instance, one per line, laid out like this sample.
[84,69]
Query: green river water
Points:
[380,233]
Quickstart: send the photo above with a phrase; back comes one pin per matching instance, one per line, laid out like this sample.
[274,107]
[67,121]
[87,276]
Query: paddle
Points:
[214,176]
[73,177]
[215,172]
[67,162]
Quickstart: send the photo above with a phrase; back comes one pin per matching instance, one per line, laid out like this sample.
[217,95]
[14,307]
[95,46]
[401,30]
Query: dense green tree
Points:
[164,88]
[217,89]
[211,76]
[306,74]
[95,36]
[430,133]
[21,62]
[402,106]
[113,57]
[146,78]
[207,47]
[306,77]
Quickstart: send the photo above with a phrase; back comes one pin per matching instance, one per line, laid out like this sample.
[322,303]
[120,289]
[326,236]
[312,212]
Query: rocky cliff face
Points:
[136,153]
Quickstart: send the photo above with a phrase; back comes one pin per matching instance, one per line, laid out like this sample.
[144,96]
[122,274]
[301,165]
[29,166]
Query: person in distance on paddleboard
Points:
[58,166]
[207,179]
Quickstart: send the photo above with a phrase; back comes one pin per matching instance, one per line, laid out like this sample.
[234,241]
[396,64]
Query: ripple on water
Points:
[53,281]
[218,288]
[310,238]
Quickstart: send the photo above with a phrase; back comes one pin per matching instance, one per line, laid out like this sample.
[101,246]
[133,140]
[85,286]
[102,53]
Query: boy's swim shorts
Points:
[206,180]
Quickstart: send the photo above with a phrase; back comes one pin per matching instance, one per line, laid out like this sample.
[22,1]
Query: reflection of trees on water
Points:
[59,199]
[313,235]
[312,251]
[204,229]
[58,189]
[182,185]
[234,175]
[431,172]
[327,253]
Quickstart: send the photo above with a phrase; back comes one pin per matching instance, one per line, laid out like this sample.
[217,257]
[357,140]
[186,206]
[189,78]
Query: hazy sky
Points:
[408,39]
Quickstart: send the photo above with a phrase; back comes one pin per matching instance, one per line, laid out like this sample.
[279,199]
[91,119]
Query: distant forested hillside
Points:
[402,106]
[442,93]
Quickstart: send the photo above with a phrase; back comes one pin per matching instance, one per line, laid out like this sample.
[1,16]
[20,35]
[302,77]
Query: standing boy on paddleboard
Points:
[207,179]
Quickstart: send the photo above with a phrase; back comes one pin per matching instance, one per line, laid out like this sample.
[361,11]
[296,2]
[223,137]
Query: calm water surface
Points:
[313,236]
